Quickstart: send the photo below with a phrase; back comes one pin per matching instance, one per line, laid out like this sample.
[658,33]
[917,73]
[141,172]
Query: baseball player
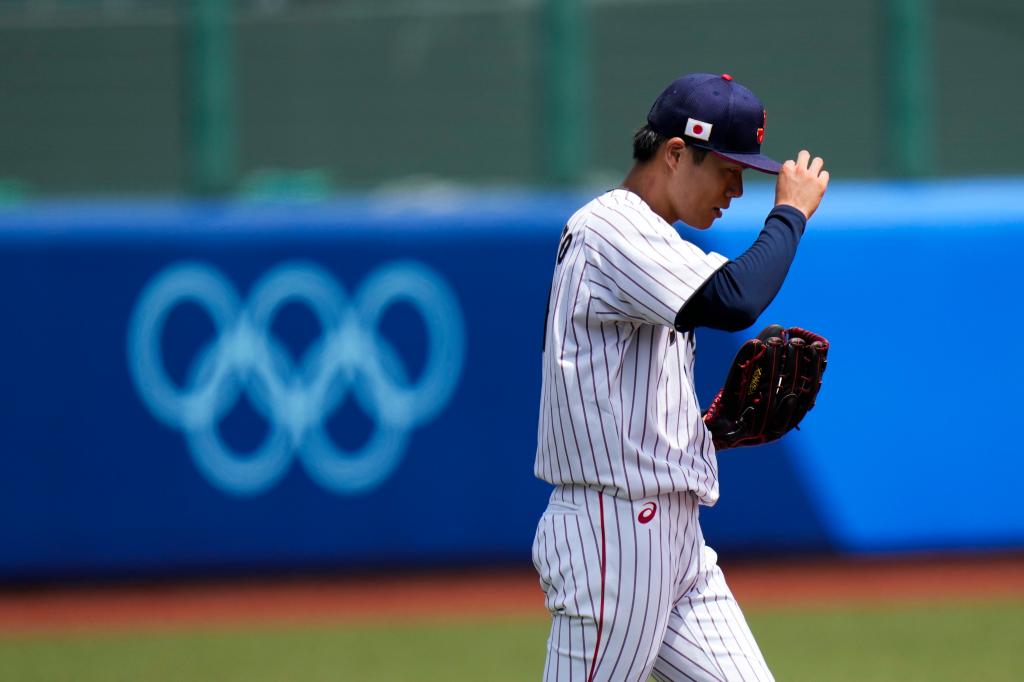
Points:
[631,586]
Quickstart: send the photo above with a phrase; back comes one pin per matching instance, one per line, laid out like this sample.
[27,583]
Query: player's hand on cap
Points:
[802,183]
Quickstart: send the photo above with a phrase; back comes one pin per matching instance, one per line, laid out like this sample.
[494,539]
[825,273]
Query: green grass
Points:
[980,642]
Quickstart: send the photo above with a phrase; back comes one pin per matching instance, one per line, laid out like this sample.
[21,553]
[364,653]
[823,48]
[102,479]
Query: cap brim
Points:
[758,162]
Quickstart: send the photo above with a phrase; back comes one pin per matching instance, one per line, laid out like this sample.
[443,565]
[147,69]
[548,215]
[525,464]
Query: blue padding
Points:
[330,315]
[849,205]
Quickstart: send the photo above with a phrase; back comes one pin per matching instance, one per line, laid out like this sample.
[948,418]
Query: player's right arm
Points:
[736,295]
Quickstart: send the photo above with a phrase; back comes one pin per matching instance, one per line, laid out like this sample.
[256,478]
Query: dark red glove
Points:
[772,384]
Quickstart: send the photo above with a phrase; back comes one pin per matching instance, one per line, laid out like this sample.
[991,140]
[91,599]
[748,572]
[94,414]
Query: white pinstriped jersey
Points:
[618,408]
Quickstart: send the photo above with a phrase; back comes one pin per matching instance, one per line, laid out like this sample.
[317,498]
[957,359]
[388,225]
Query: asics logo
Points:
[295,397]
[646,514]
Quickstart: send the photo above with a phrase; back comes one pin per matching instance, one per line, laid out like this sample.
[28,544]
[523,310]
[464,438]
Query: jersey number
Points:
[563,248]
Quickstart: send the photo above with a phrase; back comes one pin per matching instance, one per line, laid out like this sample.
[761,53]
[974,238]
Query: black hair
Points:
[646,142]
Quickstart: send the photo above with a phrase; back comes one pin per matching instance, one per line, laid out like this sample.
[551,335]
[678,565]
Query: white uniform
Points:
[630,584]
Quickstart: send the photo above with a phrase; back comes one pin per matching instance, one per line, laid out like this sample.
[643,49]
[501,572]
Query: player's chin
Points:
[707,222]
[702,221]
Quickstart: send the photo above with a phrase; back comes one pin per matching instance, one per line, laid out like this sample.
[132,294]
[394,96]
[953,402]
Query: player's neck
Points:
[643,182]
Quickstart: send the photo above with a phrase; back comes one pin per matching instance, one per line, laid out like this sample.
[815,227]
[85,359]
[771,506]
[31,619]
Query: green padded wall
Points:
[406,92]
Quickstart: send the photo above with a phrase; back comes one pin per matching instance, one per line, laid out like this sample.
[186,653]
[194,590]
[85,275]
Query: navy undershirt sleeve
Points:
[735,296]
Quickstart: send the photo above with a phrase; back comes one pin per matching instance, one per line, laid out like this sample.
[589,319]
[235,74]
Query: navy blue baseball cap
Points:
[714,112]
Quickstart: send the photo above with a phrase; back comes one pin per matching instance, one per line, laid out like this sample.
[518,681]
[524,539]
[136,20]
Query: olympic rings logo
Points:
[295,397]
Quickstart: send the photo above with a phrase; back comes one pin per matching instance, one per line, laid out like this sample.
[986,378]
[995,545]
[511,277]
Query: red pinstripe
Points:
[600,619]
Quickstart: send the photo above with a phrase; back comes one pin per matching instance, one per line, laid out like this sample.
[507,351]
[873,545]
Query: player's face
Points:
[704,190]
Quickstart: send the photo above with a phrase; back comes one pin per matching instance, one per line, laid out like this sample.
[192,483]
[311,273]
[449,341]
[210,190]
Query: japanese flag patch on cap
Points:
[698,129]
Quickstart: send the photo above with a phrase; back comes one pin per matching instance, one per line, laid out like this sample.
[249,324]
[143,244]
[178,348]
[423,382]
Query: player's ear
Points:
[673,151]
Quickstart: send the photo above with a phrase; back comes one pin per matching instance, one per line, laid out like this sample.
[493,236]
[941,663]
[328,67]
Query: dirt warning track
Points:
[483,593]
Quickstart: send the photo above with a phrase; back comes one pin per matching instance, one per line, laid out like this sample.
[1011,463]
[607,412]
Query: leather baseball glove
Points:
[771,385]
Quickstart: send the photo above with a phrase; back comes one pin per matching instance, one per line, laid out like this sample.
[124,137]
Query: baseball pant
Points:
[633,591]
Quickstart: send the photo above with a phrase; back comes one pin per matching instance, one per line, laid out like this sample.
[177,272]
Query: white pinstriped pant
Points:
[633,591]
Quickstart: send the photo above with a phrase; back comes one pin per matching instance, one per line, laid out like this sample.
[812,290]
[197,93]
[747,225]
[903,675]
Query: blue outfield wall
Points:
[192,387]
